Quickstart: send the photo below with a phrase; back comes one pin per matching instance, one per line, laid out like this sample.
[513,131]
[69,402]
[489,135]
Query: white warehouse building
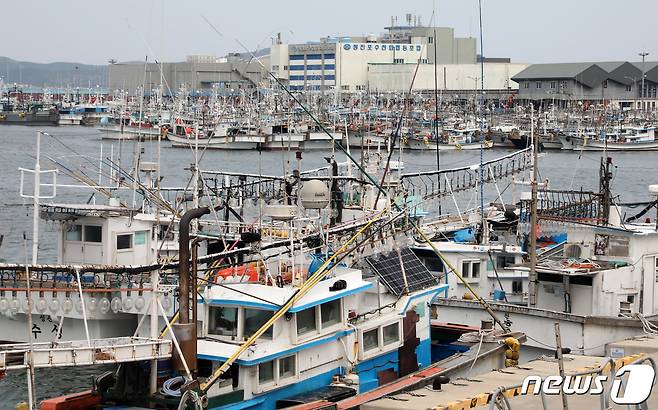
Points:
[387,62]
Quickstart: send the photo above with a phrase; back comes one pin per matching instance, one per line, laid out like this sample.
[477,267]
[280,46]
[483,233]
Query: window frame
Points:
[319,329]
[84,233]
[240,324]
[381,347]
[132,242]
[277,380]
[469,274]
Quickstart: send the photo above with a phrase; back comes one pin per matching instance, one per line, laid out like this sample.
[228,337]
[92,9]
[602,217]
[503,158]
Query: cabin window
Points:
[475,270]
[254,319]
[93,233]
[74,233]
[385,337]
[273,372]
[391,334]
[503,261]
[124,241]
[517,286]
[140,237]
[306,321]
[266,372]
[471,269]
[223,321]
[287,367]
[166,234]
[330,313]
[371,339]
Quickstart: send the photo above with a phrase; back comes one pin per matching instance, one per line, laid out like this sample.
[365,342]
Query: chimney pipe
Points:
[184,331]
[184,258]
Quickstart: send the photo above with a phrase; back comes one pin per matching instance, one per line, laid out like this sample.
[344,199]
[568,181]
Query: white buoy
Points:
[104,306]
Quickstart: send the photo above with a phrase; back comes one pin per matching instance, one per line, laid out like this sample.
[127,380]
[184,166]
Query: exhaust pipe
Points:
[184,331]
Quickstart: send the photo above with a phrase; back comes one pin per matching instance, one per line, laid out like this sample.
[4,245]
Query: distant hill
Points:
[52,74]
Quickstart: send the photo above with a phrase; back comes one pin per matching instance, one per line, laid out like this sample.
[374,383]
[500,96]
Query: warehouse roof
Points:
[588,74]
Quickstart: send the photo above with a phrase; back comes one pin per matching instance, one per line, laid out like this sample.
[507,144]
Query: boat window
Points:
[124,241]
[475,270]
[287,367]
[503,261]
[223,321]
[93,233]
[254,319]
[74,233]
[140,237]
[330,313]
[370,339]
[517,286]
[306,321]
[391,333]
[266,372]
[471,269]
[466,269]
[165,233]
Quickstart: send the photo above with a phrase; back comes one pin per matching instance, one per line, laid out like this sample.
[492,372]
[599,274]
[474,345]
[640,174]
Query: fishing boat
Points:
[627,139]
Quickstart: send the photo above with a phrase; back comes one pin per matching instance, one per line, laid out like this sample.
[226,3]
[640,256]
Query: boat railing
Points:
[83,353]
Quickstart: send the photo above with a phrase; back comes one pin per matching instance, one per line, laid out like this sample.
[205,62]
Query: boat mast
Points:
[481,108]
[532,276]
[436,108]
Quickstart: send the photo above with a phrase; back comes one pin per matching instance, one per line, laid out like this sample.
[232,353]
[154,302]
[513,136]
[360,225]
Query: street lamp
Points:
[475,90]
[643,55]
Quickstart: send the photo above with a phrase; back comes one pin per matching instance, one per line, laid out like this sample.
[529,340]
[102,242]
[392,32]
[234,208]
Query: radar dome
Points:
[314,194]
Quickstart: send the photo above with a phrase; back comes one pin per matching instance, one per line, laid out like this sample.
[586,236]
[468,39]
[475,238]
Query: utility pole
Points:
[643,55]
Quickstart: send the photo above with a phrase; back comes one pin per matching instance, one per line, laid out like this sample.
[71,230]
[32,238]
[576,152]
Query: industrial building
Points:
[386,62]
[345,64]
[618,82]
[198,74]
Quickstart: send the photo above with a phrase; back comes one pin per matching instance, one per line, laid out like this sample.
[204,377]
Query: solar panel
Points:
[387,268]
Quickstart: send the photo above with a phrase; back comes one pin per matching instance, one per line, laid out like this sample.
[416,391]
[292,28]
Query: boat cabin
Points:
[109,235]
[356,329]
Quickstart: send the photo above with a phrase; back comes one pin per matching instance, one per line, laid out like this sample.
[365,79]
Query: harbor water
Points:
[80,148]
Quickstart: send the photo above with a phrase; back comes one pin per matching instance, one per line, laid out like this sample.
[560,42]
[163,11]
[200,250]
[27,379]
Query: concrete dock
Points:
[478,390]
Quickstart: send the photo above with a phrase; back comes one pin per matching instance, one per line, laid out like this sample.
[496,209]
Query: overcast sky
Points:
[530,31]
